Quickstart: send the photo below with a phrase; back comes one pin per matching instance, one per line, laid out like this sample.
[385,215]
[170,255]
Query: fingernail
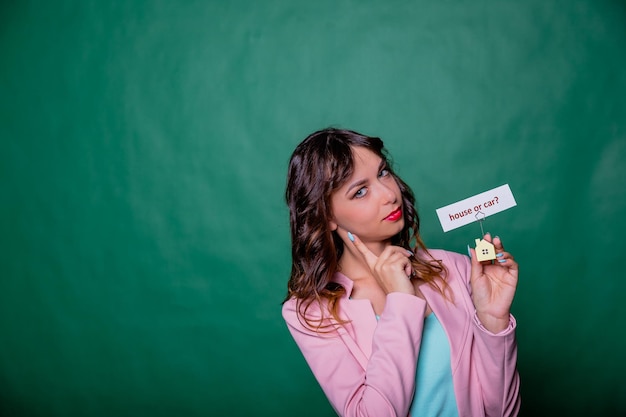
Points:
[501,260]
[469,253]
[410,253]
[500,255]
[351,237]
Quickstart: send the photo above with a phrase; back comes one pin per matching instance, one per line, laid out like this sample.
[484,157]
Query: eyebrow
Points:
[362,182]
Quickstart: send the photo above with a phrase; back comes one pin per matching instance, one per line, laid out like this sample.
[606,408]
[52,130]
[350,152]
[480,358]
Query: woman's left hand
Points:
[493,287]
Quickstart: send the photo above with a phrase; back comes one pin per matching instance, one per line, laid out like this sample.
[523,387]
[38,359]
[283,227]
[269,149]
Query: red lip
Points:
[395,215]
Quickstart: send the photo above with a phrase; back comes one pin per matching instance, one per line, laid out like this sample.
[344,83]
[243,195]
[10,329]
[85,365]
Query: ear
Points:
[333,226]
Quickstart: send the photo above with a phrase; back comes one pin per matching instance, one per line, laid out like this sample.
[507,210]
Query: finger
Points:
[368,255]
[393,256]
[391,250]
[476,265]
[392,265]
[506,259]
[408,270]
[400,255]
[503,258]
[497,243]
[499,248]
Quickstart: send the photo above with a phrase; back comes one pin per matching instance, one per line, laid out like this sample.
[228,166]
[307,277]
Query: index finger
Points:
[368,255]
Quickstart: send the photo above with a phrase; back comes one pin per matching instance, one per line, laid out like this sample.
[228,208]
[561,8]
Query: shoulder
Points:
[294,310]
[290,310]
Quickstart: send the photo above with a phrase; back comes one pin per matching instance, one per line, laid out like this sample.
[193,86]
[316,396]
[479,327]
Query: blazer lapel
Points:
[361,316]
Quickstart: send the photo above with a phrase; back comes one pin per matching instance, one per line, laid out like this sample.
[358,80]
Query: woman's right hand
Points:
[392,268]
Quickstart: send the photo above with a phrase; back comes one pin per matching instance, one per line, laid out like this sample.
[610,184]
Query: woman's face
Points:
[369,203]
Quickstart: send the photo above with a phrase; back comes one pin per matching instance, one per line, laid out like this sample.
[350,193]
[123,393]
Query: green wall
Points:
[143,235]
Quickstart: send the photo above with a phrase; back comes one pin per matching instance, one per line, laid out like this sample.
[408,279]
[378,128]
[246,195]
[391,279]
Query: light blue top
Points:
[434,392]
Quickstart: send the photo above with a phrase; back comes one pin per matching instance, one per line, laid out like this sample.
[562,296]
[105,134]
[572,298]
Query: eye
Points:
[360,192]
[383,173]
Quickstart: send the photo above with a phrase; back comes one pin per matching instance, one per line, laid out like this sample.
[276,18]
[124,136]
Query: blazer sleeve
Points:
[494,359]
[385,386]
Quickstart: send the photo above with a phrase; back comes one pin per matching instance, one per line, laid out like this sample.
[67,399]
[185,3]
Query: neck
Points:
[352,263]
[376,247]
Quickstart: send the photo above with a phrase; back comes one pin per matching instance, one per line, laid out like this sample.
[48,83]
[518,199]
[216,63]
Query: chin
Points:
[399,226]
[391,236]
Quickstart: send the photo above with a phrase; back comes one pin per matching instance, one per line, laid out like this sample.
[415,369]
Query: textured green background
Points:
[143,237]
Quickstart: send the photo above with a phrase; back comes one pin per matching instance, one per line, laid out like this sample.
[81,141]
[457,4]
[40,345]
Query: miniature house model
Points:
[485,251]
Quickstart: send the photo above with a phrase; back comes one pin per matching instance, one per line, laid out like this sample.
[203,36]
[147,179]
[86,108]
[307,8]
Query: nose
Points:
[388,194]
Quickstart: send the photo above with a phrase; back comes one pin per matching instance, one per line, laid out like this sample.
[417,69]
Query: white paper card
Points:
[476,208]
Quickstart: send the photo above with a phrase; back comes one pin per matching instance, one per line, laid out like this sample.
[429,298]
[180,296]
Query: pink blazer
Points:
[367,367]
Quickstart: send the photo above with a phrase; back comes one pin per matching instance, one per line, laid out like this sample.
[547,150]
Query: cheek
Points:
[352,218]
[396,187]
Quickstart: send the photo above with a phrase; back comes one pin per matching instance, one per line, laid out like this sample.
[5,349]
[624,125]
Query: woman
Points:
[388,327]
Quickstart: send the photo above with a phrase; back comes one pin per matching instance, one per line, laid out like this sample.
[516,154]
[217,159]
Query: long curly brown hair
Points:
[319,165]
